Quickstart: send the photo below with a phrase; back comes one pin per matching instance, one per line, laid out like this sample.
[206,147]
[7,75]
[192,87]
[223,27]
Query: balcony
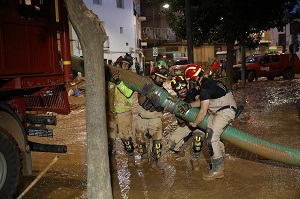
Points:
[159,34]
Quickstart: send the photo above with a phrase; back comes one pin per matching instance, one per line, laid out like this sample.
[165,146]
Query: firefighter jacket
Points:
[122,99]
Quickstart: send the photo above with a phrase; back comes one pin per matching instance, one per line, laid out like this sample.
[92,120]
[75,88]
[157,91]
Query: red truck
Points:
[178,67]
[33,82]
[269,66]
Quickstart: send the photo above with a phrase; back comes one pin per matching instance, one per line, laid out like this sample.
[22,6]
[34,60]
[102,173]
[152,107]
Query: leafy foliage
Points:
[226,21]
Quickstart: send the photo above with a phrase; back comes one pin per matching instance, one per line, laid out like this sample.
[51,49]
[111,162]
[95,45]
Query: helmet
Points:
[161,70]
[124,59]
[127,59]
[178,83]
[193,71]
[119,59]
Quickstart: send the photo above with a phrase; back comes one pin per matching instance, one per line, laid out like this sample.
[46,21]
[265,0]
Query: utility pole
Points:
[189,32]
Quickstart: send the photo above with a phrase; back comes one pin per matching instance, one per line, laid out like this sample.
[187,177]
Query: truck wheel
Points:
[251,76]
[288,74]
[10,164]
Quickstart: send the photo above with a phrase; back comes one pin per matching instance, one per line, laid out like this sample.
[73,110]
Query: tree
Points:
[92,36]
[228,21]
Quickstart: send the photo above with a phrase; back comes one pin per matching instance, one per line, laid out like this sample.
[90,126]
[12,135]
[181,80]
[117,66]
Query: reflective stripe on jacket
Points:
[123,98]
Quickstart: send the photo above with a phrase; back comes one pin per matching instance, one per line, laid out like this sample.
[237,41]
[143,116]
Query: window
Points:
[181,62]
[265,60]
[275,58]
[99,2]
[121,30]
[120,3]
[281,39]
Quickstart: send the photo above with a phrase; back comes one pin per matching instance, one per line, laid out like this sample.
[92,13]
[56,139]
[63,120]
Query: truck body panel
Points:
[33,81]
[270,66]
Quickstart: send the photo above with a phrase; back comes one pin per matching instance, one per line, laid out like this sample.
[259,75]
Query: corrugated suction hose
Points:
[237,137]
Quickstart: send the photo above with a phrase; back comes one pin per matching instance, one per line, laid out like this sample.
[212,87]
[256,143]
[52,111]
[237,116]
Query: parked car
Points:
[178,67]
[269,66]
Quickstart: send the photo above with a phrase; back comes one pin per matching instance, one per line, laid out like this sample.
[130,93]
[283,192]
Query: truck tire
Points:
[251,76]
[288,74]
[10,164]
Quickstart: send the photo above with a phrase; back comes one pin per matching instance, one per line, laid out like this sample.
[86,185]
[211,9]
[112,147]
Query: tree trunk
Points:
[229,68]
[92,35]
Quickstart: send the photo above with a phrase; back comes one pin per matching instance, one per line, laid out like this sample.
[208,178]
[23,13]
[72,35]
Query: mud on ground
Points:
[272,113]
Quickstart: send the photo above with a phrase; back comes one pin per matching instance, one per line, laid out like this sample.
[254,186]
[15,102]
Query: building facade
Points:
[122,23]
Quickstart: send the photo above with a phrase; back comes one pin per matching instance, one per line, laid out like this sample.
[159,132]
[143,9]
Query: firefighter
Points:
[149,121]
[120,117]
[218,101]
[184,131]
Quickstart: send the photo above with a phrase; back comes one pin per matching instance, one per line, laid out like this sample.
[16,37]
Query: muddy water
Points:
[272,112]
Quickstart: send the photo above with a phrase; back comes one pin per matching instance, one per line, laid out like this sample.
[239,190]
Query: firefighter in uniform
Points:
[218,101]
[149,121]
[184,131]
[120,117]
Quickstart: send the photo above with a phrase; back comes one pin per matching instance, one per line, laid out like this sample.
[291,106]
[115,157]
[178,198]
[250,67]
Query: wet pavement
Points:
[272,113]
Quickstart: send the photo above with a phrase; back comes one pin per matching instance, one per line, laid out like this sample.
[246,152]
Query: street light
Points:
[166,6]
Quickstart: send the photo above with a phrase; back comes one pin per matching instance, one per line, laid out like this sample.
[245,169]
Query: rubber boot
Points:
[156,153]
[128,145]
[222,165]
[195,164]
[155,167]
[216,171]
[131,159]
[144,159]
[142,150]
[194,161]
[197,144]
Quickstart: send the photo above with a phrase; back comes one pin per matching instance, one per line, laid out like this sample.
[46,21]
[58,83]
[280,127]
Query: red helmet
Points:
[119,59]
[193,71]
[124,59]
[178,83]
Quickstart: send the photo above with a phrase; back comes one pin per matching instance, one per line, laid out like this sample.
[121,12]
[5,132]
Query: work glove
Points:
[116,77]
[239,110]
[183,108]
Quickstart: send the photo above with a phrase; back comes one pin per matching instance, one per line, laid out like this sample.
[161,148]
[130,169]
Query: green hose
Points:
[160,96]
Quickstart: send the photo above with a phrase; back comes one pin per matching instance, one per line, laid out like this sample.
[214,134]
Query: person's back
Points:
[215,65]
[215,69]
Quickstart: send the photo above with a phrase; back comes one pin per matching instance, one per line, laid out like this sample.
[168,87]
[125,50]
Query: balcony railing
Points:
[159,34]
